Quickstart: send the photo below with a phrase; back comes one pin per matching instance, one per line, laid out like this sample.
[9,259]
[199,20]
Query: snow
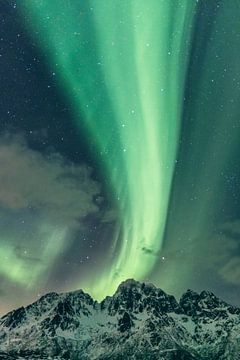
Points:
[75,321]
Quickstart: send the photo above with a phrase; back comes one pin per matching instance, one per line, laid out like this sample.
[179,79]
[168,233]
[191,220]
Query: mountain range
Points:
[139,321]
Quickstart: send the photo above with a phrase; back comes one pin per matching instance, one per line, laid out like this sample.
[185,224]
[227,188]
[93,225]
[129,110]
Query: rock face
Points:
[138,322]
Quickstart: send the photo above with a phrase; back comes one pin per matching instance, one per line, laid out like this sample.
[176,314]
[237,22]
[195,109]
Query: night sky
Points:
[119,146]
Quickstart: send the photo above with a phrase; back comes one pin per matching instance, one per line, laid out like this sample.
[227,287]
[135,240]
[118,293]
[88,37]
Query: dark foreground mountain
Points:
[138,322]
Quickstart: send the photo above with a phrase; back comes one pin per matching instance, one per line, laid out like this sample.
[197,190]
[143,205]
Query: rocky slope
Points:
[138,322]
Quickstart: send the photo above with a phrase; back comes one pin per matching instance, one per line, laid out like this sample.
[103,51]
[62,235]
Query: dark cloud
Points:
[230,271]
[62,191]
[149,251]
[219,253]
[229,268]
[44,203]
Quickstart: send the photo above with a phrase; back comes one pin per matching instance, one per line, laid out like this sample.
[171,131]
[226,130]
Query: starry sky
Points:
[119,146]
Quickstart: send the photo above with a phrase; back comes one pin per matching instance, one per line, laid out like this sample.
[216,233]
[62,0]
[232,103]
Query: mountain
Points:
[139,321]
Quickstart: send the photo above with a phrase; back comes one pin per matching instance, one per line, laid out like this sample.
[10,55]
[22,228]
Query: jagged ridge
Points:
[139,321]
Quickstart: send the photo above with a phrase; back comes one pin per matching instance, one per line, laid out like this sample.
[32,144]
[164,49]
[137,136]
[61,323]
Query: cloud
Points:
[219,252]
[230,272]
[62,191]
[228,264]
[149,251]
[109,216]
[44,200]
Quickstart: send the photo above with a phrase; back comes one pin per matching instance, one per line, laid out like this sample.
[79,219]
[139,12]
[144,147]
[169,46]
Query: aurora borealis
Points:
[123,146]
[137,129]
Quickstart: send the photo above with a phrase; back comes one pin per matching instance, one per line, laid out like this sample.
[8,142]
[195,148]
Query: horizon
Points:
[177,298]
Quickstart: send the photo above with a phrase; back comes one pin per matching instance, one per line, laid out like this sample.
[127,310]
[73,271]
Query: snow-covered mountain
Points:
[139,321]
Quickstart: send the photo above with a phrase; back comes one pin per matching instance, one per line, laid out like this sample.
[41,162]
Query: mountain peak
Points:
[139,321]
[129,283]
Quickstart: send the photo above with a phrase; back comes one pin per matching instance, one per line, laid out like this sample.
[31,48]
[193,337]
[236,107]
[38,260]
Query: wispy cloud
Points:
[44,200]
[61,190]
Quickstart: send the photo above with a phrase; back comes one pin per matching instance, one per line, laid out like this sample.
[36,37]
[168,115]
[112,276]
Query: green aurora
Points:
[122,65]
